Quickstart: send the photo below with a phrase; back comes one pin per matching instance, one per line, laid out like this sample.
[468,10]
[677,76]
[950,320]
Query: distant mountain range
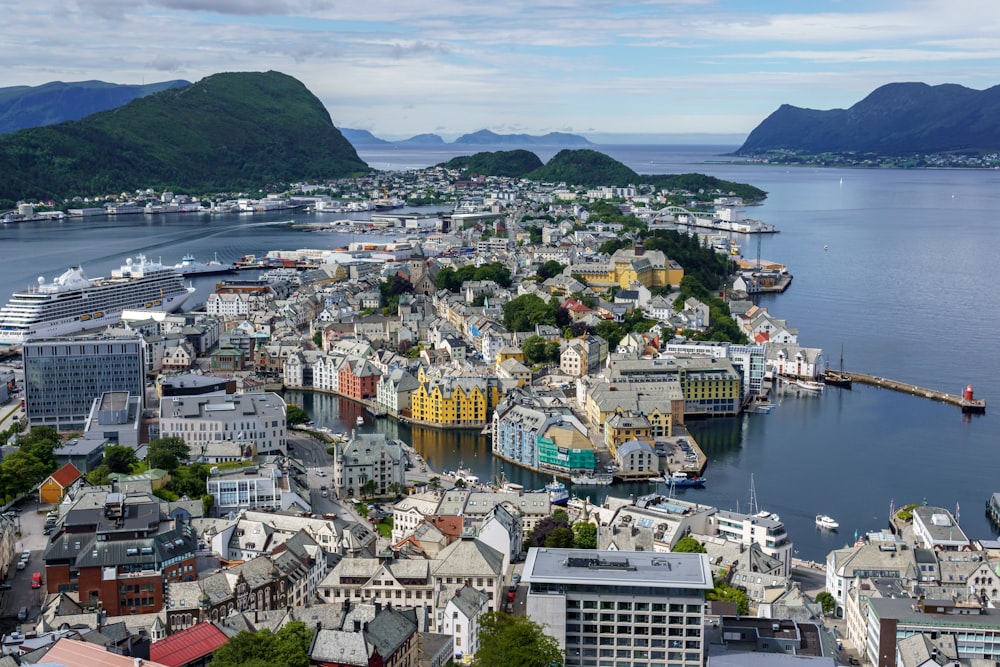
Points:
[896,119]
[227,132]
[50,103]
[481,138]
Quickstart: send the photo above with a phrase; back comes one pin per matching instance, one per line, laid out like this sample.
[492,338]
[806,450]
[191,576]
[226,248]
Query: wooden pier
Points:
[966,404]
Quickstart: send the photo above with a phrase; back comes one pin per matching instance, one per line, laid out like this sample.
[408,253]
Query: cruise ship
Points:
[72,302]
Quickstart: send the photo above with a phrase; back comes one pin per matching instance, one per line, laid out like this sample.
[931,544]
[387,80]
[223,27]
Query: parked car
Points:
[21,564]
[22,614]
[25,555]
[36,580]
[5,586]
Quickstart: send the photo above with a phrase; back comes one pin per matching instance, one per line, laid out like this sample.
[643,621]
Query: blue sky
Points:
[592,67]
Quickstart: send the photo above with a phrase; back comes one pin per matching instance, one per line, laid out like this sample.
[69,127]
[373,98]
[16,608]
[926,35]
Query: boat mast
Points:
[753,496]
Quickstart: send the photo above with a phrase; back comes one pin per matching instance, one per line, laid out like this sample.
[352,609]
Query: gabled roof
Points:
[66,475]
[188,645]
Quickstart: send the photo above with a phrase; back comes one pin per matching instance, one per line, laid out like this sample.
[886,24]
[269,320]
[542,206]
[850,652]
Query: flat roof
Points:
[618,568]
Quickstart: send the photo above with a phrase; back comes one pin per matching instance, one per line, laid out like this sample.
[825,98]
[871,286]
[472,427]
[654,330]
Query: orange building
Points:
[54,488]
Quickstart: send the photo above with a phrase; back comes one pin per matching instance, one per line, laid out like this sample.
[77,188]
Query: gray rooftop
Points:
[616,568]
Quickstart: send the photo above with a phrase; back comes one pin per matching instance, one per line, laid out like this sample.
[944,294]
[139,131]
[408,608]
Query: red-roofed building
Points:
[74,653]
[189,648]
[54,488]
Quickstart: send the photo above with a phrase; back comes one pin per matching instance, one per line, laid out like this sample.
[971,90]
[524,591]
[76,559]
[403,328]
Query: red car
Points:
[36,580]
[510,596]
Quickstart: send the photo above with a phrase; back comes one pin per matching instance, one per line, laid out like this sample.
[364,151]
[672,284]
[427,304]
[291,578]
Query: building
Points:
[358,379]
[55,485]
[188,648]
[257,419]
[114,554]
[63,376]
[936,528]
[368,458]
[454,401]
[534,432]
[116,417]
[368,636]
[626,607]
[268,486]
[461,620]
[651,268]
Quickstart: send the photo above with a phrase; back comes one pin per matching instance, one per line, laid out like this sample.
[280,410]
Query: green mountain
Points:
[488,138]
[896,119]
[584,167]
[227,132]
[590,168]
[55,102]
[515,164]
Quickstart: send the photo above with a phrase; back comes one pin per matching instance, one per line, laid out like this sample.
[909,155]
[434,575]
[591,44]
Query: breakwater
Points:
[965,401]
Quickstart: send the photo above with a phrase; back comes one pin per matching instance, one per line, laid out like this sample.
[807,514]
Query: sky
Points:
[593,67]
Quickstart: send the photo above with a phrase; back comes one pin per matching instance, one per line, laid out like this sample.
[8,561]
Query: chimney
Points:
[357,625]
[378,607]
[639,249]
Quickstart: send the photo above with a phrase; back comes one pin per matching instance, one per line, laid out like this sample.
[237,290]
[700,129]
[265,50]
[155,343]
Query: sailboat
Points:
[838,378]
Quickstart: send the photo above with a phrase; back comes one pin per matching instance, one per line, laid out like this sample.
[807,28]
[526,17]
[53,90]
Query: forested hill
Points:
[896,119]
[590,168]
[55,102]
[227,132]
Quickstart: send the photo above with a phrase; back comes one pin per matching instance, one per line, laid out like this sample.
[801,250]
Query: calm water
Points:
[903,287]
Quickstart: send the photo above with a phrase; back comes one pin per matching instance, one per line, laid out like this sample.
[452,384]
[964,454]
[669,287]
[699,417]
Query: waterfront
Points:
[901,287]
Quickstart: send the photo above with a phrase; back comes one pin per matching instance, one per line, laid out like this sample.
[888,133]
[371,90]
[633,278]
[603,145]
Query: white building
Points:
[461,619]
[268,487]
[257,419]
[642,608]
[368,457]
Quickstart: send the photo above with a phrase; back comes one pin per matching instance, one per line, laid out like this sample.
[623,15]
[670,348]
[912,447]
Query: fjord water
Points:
[904,284]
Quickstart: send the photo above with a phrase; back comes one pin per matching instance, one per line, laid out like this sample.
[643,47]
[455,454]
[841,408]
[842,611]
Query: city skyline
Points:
[588,67]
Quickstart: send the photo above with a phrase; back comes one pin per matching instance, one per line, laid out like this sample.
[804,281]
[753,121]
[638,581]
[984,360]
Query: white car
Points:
[320,473]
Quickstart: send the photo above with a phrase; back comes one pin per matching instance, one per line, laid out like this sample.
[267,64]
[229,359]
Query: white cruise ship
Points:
[72,302]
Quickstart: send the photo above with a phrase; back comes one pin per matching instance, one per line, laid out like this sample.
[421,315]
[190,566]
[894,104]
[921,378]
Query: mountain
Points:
[55,102]
[229,131]
[422,140]
[516,163]
[362,137]
[487,138]
[896,119]
[584,167]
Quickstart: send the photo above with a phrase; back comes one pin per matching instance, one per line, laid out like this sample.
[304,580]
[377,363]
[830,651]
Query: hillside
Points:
[515,163]
[896,119]
[55,102]
[228,131]
[584,167]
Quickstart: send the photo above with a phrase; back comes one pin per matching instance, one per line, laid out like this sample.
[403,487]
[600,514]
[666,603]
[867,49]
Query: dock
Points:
[965,401]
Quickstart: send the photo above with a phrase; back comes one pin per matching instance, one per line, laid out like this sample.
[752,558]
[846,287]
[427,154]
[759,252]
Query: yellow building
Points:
[454,401]
[661,403]
[509,352]
[628,265]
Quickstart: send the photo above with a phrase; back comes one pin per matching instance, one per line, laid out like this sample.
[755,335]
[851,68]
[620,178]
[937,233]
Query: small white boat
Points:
[823,521]
[360,421]
[809,385]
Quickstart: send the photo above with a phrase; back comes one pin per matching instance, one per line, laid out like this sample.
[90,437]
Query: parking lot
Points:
[31,520]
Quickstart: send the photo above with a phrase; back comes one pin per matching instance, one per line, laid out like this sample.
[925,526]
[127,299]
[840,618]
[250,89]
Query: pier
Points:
[964,401]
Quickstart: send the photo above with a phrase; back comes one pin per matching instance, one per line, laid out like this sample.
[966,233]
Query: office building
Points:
[63,376]
[620,608]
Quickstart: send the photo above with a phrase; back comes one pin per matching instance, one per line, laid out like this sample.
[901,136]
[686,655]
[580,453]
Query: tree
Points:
[688,545]
[119,458]
[549,269]
[368,488]
[514,641]
[527,310]
[560,538]
[318,339]
[20,471]
[99,475]
[542,530]
[827,601]
[584,535]
[559,514]
[41,442]
[295,415]
[167,453]
[288,647]
[723,592]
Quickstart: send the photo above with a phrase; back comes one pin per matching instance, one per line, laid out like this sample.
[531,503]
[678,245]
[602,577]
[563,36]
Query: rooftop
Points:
[615,568]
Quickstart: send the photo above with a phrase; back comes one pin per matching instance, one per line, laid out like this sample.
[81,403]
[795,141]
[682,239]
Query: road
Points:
[32,523]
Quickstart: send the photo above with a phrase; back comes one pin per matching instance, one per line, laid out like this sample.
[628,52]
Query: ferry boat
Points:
[189,266]
[558,495]
[823,521]
[72,303]
[592,479]
[679,478]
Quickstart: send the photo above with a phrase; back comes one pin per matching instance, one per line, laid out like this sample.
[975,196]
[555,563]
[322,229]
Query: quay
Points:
[965,401]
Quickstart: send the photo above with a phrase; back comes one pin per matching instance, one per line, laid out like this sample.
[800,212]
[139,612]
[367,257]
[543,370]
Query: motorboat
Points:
[823,521]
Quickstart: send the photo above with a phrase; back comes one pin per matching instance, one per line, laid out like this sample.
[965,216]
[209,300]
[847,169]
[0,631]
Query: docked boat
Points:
[809,385]
[838,379]
[189,266]
[466,475]
[558,495]
[592,479]
[360,421]
[679,478]
[72,303]
[823,521]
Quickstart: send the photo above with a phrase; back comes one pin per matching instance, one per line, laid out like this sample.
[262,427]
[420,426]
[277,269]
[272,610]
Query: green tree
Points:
[688,545]
[99,475]
[368,488]
[549,269]
[542,529]
[207,503]
[559,514]
[527,310]
[826,601]
[318,339]
[515,641]
[295,415]
[167,453]
[19,472]
[41,442]
[119,458]
[288,647]
[723,592]
[584,535]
